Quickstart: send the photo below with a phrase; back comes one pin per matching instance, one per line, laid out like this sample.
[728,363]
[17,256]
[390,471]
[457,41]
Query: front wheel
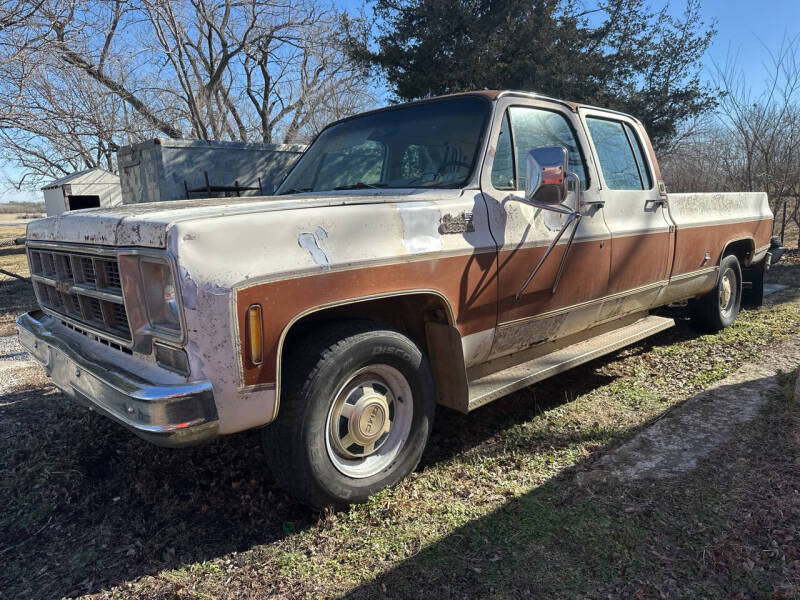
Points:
[356,412]
[719,308]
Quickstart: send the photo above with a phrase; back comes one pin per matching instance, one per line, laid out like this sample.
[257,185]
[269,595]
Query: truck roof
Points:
[492,95]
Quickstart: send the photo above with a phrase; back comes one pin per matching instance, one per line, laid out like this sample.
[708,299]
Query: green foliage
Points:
[618,54]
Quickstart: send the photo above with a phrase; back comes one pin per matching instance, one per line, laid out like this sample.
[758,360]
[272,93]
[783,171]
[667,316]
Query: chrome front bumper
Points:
[172,415]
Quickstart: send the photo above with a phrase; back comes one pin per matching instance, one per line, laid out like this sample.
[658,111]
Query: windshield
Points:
[427,145]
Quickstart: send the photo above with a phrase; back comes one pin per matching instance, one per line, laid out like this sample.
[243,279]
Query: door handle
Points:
[593,203]
[655,201]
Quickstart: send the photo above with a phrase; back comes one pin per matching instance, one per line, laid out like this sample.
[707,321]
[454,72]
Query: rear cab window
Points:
[620,154]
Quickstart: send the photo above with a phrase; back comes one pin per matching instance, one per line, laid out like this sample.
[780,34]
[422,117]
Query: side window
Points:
[503,164]
[647,181]
[620,155]
[535,127]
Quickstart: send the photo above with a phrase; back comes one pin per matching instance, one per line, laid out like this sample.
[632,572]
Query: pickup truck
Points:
[447,251]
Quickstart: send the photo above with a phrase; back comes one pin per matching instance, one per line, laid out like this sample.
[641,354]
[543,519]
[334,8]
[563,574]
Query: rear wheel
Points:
[719,307]
[356,412]
[753,297]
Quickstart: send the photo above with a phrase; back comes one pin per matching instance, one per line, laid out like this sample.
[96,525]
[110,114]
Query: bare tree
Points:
[752,143]
[80,77]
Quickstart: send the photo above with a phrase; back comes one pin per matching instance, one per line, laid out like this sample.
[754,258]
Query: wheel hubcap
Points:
[369,421]
[361,418]
[726,291]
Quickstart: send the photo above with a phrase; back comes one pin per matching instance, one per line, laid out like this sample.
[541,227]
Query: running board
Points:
[501,383]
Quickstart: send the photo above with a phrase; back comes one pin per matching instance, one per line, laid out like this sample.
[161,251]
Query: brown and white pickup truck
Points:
[446,251]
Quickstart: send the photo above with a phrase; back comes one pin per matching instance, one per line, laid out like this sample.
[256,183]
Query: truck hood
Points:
[146,225]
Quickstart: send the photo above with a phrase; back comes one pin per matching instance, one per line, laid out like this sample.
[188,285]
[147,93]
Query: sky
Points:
[745,29]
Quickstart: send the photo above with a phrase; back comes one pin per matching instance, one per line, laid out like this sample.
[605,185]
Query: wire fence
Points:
[8,246]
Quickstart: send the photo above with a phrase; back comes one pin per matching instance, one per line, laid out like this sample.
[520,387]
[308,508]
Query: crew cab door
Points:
[634,210]
[522,233]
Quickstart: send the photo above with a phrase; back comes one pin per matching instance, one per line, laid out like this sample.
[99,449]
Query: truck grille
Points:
[83,285]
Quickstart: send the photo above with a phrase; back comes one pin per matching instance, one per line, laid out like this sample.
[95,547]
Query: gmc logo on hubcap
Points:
[371,421]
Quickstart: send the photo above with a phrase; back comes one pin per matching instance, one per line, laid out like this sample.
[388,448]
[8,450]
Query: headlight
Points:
[152,297]
[161,296]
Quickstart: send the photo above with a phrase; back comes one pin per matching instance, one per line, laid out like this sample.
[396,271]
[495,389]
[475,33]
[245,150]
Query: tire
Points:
[332,443]
[754,297]
[719,307]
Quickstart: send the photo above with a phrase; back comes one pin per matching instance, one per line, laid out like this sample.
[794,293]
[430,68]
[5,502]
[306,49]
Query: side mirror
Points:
[546,175]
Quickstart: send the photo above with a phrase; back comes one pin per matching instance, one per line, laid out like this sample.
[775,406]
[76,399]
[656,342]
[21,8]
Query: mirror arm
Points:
[577,220]
[557,208]
[573,216]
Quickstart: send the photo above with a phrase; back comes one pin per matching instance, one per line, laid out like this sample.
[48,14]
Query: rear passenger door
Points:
[634,210]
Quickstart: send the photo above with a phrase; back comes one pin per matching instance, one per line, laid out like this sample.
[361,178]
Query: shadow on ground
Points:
[726,530]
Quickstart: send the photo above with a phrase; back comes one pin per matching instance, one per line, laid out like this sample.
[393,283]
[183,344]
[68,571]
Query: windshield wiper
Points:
[360,186]
[295,191]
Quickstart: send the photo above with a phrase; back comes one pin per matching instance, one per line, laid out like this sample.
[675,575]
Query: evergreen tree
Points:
[618,54]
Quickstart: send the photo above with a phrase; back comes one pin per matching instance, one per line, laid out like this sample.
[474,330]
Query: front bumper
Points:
[174,414]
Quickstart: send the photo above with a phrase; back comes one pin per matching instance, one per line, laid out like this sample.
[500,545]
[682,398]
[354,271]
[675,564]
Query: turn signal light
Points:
[255,337]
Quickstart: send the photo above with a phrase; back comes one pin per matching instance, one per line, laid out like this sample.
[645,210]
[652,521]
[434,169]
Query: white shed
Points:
[84,189]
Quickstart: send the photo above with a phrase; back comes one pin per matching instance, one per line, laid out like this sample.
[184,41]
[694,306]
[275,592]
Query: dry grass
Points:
[16,296]
[32,208]
[9,231]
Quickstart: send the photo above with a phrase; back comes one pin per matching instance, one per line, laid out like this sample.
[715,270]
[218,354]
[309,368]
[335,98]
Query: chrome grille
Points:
[87,274]
[83,285]
[110,274]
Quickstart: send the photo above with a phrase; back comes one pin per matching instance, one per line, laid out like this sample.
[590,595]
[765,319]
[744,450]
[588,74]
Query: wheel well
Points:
[742,249]
[408,313]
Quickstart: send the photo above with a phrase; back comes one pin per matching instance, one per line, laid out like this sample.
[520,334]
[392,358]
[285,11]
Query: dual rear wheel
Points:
[719,308]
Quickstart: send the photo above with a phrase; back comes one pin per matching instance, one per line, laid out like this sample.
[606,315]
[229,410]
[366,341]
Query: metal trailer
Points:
[165,169]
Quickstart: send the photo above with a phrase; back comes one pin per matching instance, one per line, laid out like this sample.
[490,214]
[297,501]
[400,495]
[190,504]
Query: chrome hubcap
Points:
[726,290]
[369,421]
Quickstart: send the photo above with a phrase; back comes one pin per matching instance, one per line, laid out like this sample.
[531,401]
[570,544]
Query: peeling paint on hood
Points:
[147,224]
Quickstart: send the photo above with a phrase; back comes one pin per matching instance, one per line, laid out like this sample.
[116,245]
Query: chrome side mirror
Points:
[546,188]
[546,175]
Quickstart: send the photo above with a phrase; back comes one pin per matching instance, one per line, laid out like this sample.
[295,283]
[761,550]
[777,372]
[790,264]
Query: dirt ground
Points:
[669,469]
[675,444]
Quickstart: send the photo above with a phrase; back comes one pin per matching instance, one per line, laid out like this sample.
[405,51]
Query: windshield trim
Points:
[476,161]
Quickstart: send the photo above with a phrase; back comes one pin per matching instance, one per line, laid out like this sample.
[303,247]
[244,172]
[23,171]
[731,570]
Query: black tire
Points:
[707,312]
[754,296]
[299,445]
